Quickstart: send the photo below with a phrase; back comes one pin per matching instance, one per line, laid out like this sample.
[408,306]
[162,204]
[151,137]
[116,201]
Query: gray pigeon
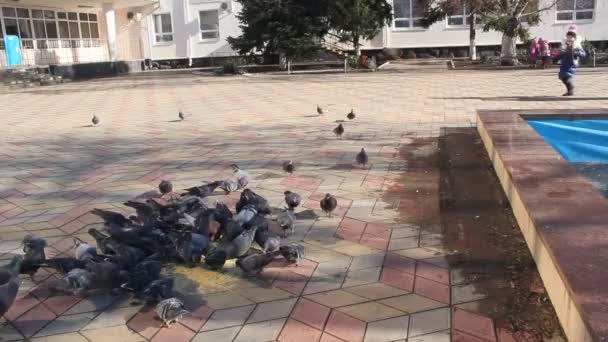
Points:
[33,247]
[77,281]
[254,264]
[165,187]
[9,283]
[229,185]
[351,115]
[143,274]
[84,251]
[157,290]
[267,240]
[171,310]
[246,215]
[181,116]
[292,199]
[242,177]
[203,190]
[338,131]
[227,250]
[248,197]
[320,110]
[328,204]
[286,220]
[293,253]
[288,166]
[362,157]
[95,120]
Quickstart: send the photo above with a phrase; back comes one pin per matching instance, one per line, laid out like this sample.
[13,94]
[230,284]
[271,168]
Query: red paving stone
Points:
[474,324]
[198,315]
[291,282]
[176,333]
[61,304]
[374,242]
[345,327]
[400,263]
[311,313]
[378,230]
[329,338]
[432,272]
[34,320]
[506,336]
[20,306]
[398,279]
[459,336]
[432,289]
[145,323]
[295,331]
[305,268]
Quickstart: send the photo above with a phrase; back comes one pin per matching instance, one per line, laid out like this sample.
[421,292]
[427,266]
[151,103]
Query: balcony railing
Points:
[58,51]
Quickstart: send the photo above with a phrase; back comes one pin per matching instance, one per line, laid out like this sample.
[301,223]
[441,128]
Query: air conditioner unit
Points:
[226,6]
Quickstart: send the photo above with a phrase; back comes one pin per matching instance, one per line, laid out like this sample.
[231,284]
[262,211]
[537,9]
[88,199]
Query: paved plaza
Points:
[369,274]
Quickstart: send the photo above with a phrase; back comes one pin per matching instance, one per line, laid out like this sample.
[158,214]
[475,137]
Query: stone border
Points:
[563,218]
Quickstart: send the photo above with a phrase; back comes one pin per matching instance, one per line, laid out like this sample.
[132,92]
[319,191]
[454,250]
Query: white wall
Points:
[187,41]
[440,34]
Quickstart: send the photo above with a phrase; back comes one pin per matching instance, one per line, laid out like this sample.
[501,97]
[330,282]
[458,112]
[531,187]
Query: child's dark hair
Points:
[571,34]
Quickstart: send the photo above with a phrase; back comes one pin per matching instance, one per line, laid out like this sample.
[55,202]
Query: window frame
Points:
[156,35]
[465,17]
[574,12]
[411,19]
[200,31]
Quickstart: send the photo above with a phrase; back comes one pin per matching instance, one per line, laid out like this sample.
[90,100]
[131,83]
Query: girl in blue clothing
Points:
[569,56]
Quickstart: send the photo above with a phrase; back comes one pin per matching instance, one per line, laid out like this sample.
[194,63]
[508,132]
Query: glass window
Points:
[209,24]
[64,30]
[84,30]
[23,13]
[92,17]
[62,15]
[25,28]
[74,31]
[9,12]
[73,16]
[163,29]
[38,14]
[11,27]
[51,29]
[49,15]
[407,13]
[83,16]
[462,17]
[572,10]
[94,31]
[39,29]
[1,28]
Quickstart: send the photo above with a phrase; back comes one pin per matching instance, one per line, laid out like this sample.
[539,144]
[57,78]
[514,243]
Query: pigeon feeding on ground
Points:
[288,167]
[181,116]
[362,157]
[292,199]
[351,115]
[328,204]
[248,197]
[170,311]
[95,120]
[286,220]
[77,281]
[33,247]
[242,177]
[157,290]
[203,190]
[254,264]
[165,187]
[338,131]
[10,283]
[293,253]
[229,185]
[84,251]
[320,110]
[267,240]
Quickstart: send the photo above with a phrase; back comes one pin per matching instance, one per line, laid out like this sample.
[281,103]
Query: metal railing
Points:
[57,51]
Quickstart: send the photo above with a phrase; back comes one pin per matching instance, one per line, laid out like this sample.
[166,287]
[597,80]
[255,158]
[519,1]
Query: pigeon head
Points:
[235,167]
[165,187]
[287,192]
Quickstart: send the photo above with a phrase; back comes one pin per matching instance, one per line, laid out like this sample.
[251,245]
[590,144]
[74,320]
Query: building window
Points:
[462,17]
[407,13]
[163,29]
[210,25]
[573,10]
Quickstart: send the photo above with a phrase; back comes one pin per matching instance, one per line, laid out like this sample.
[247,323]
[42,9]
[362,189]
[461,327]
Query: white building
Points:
[79,31]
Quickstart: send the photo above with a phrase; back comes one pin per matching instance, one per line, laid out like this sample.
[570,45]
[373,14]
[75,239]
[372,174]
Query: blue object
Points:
[13,50]
[578,141]
[569,61]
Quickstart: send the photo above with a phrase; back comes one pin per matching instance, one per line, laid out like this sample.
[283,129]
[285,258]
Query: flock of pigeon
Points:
[170,227]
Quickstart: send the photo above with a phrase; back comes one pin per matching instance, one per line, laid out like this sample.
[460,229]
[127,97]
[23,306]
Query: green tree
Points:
[355,20]
[289,28]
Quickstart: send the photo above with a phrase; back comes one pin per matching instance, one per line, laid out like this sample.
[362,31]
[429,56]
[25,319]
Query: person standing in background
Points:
[533,52]
[545,52]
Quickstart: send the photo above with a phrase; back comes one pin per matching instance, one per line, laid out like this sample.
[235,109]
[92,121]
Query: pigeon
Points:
[95,120]
[260,222]
[267,240]
[146,213]
[200,244]
[293,253]
[181,116]
[286,220]
[191,247]
[165,187]
[111,218]
[227,250]
[170,310]
[233,229]
[64,265]
[338,131]
[248,197]
[320,110]
[9,283]
[33,247]
[143,274]
[222,214]
[351,115]
[254,264]
[328,204]
[108,275]
[292,199]
[229,185]
[157,290]
[362,158]
[204,190]
[216,259]
[246,215]
[288,166]
[242,177]
[77,281]
[105,243]
[84,251]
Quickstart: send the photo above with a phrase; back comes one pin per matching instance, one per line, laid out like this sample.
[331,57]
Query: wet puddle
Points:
[450,190]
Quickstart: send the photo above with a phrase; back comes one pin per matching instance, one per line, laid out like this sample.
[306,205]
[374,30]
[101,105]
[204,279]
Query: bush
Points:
[230,68]
[486,59]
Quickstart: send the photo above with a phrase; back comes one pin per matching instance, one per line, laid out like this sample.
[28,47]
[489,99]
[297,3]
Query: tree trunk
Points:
[282,61]
[509,43]
[472,36]
[357,46]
